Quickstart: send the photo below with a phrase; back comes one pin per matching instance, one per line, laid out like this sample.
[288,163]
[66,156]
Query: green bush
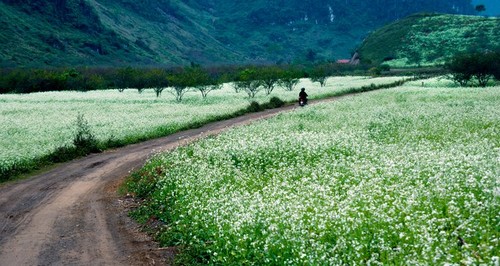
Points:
[385,67]
[276,102]
[84,140]
[375,71]
[254,107]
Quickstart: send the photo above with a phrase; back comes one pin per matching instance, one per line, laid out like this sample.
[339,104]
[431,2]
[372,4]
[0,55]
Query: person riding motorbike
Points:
[303,97]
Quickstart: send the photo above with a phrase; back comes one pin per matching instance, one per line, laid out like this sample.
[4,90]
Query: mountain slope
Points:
[173,32]
[170,33]
[280,30]
[76,32]
[36,34]
[430,39]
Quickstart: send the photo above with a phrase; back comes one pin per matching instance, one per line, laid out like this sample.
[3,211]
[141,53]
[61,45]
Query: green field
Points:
[406,176]
[34,125]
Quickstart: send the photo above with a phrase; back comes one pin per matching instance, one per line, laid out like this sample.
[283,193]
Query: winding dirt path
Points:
[72,215]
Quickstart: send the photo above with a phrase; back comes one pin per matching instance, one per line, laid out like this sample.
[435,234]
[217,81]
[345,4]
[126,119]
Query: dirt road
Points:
[72,214]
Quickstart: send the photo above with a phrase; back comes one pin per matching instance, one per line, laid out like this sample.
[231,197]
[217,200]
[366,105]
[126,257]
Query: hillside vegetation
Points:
[38,33]
[311,30]
[105,33]
[429,39]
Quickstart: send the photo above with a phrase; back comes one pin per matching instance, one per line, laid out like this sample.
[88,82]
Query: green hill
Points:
[173,32]
[105,33]
[429,39]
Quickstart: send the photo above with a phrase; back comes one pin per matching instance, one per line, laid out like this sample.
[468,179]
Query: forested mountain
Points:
[280,30]
[170,32]
[105,32]
[429,39]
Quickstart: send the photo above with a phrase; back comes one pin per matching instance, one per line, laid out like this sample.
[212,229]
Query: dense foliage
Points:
[394,177]
[113,33]
[180,78]
[430,39]
[104,33]
[476,67]
[290,30]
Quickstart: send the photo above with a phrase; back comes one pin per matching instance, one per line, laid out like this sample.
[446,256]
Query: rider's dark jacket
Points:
[303,95]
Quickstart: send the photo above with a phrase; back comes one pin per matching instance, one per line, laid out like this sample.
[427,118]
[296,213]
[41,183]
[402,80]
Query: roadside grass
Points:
[38,129]
[392,177]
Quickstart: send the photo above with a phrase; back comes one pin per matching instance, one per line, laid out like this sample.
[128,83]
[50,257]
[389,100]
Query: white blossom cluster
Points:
[33,125]
[405,176]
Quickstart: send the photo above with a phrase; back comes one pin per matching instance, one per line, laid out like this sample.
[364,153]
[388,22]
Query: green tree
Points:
[158,79]
[480,67]
[92,82]
[125,78]
[320,73]
[84,140]
[289,79]
[480,8]
[459,66]
[182,80]
[249,81]
[375,71]
[414,56]
[203,81]
[270,77]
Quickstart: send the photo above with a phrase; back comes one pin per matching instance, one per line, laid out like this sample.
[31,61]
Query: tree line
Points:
[178,80]
[475,69]
[468,69]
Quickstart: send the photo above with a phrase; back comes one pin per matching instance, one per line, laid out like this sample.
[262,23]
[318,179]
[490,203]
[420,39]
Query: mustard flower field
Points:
[405,176]
[34,125]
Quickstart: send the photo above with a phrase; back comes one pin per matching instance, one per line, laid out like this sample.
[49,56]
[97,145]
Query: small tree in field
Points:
[480,67]
[249,81]
[84,140]
[320,74]
[125,78]
[158,79]
[180,83]
[270,77]
[289,79]
[203,81]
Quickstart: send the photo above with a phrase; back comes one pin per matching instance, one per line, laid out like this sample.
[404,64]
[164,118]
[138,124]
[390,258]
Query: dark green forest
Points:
[58,33]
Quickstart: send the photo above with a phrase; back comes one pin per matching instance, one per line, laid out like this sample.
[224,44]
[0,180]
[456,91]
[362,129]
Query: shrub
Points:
[276,102]
[254,107]
[385,67]
[84,140]
[375,71]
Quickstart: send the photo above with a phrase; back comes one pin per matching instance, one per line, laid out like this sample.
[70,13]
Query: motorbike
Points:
[302,101]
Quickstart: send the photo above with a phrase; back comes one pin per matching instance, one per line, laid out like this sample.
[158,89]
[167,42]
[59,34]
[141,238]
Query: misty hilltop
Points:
[169,32]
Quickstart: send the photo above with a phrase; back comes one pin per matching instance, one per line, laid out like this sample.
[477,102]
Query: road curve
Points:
[72,215]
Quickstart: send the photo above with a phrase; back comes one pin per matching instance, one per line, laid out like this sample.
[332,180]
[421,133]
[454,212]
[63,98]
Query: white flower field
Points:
[406,176]
[34,125]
